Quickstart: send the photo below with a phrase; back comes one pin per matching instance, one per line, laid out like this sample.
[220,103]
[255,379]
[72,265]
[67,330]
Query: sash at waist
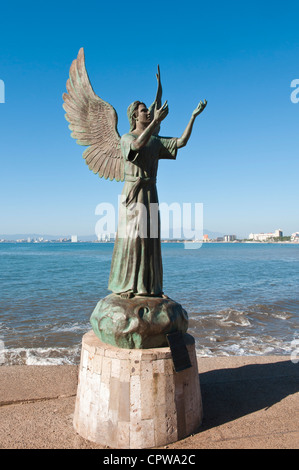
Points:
[139,183]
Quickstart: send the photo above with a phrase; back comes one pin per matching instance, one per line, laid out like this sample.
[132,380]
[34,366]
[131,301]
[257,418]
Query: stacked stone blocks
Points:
[133,398]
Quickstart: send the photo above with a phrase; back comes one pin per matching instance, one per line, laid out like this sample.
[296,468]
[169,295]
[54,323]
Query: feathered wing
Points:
[93,123]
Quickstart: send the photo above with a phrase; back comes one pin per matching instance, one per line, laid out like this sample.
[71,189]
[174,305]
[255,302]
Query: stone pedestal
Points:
[133,398]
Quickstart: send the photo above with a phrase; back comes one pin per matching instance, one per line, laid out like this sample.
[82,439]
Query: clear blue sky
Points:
[242,159]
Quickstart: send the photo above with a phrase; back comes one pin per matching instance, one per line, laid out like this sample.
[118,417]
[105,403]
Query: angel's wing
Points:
[93,123]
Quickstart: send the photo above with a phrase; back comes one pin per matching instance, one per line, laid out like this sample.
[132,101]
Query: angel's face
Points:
[143,114]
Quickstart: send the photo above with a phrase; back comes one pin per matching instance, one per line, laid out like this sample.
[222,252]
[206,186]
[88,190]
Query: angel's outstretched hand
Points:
[200,107]
[161,113]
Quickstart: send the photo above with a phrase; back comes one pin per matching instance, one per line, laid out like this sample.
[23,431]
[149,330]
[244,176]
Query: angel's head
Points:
[137,110]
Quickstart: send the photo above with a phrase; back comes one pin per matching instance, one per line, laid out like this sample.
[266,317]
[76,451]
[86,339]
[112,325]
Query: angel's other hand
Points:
[200,107]
[161,113]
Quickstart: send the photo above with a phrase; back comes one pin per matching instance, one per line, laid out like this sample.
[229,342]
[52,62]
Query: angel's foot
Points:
[127,295]
[164,296]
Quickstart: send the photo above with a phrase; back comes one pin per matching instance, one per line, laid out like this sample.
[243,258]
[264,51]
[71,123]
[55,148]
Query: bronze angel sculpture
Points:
[136,268]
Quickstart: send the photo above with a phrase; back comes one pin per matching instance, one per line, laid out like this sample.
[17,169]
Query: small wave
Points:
[282,315]
[249,346]
[71,327]
[234,318]
[42,356]
[223,318]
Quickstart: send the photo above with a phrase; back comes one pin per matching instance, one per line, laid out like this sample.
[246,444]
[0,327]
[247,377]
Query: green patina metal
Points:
[139,322]
[137,314]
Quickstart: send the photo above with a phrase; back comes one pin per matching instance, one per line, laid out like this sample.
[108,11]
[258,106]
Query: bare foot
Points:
[127,295]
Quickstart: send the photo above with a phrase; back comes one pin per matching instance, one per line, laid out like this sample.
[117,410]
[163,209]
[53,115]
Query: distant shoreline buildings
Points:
[106,237]
[225,238]
[262,237]
[270,237]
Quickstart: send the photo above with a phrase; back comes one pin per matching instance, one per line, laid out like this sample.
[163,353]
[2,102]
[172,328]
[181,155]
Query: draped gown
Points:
[137,262]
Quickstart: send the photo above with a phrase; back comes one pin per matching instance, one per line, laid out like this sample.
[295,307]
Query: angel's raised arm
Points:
[182,141]
[158,99]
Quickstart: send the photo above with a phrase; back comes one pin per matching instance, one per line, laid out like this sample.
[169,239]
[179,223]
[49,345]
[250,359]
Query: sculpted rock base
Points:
[139,322]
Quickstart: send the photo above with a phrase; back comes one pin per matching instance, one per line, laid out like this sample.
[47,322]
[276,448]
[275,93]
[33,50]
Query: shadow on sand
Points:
[228,394]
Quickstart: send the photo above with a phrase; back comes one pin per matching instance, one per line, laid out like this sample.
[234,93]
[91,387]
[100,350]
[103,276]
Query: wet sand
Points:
[248,402]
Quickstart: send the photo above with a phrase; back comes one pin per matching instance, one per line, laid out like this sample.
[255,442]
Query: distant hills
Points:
[36,236]
[86,238]
[211,234]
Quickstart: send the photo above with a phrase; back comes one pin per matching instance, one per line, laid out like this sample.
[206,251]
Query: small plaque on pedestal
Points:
[179,351]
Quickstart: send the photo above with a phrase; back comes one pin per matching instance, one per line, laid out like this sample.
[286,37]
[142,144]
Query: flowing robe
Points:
[137,262]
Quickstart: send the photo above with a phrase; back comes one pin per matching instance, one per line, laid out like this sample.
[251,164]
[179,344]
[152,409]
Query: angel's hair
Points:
[131,113]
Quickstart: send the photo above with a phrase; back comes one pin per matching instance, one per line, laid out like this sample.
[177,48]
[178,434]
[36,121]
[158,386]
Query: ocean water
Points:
[242,299]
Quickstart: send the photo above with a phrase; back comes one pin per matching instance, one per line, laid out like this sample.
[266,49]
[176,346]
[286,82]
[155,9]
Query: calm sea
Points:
[242,299]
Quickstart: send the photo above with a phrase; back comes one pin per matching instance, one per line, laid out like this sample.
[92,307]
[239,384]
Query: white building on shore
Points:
[262,237]
[229,238]
[106,237]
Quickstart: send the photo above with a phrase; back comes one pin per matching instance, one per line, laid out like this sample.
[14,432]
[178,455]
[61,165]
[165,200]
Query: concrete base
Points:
[133,398]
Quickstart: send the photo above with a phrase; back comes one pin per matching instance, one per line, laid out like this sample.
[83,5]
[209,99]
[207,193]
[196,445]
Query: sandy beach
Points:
[249,402]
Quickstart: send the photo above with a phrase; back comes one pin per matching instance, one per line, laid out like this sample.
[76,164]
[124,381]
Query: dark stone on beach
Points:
[138,322]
